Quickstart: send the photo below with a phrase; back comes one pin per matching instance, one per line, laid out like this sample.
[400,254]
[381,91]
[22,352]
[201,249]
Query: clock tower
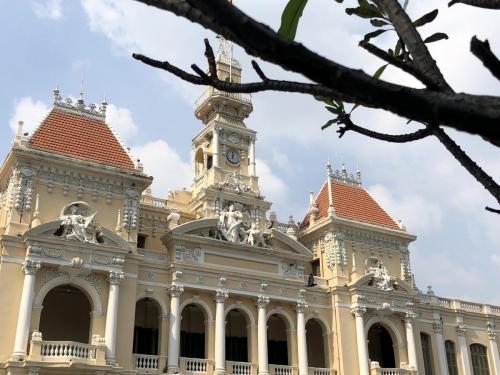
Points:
[224,150]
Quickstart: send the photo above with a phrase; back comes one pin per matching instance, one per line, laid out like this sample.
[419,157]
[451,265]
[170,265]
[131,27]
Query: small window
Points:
[479,356]
[209,161]
[451,357]
[141,241]
[315,265]
[427,353]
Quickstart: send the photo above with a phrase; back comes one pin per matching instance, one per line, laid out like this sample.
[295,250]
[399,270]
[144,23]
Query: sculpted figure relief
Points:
[231,227]
[77,223]
[381,278]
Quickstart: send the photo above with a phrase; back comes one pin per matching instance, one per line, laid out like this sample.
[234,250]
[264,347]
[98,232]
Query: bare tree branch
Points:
[483,52]
[488,4]
[419,52]
[399,138]
[492,210]
[475,114]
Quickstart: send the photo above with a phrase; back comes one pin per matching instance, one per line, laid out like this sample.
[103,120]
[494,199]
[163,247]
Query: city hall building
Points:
[97,276]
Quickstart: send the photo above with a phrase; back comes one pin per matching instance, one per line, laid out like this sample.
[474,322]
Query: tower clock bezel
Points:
[233,156]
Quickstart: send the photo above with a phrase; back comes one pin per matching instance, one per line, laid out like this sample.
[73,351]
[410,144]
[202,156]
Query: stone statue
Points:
[381,278]
[77,223]
[255,236]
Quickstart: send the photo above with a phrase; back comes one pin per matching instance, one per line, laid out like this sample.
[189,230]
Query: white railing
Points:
[445,302]
[495,309]
[153,201]
[147,362]
[210,91]
[280,370]
[195,365]
[67,349]
[470,306]
[319,371]
[238,368]
[395,371]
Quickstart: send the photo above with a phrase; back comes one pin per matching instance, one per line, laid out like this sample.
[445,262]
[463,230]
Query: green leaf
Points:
[397,49]
[325,100]
[334,110]
[429,17]
[435,37]
[374,34]
[379,71]
[329,123]
[364,12]
[290,18]
[378,23]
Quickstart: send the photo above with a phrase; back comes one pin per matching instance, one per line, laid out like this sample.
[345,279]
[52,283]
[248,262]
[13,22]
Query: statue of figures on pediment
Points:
[232,226]
[381,278]
[77,223]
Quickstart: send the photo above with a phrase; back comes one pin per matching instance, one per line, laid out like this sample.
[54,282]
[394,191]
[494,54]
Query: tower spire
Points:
[329,173]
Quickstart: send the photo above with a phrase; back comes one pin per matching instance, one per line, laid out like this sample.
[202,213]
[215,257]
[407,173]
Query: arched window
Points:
[315,344]
[146,327]
[65,315]
[237,336]
[193,332]
[380,346]
[479,356]
[425,339]
[451,357]
[277,340]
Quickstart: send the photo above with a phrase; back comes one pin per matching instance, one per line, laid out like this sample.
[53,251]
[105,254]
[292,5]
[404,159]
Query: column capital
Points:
[301,307]
[409,316]
[221,296]
[31,267]
[461,329]
[262,301]
[115,277]
[175,290]
[358,311]
[491,331]
[438,328]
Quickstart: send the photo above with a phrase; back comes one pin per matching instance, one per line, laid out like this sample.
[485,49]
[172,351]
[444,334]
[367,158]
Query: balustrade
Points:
[194,365]
[321,371]
[239,368]
[280,370]
[391,371]
[148,362]
[67,349]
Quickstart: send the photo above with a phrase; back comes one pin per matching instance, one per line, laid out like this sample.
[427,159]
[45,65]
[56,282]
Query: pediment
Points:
[274,239]
[376,282]
[51,231]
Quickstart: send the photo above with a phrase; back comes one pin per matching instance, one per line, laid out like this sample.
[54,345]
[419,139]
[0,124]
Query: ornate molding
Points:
[334,247]
[461,329]
[358,311]
[131,209]
[77,224]
[188,255]
[154,256]
[39,250]
[301,307]
[293,270]
[221,296]
[24,188]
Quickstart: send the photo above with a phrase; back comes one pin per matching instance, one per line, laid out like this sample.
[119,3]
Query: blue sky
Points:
[56,42]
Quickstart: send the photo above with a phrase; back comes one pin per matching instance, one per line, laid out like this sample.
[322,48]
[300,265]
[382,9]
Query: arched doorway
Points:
[193,332]
[277,341]
[315,344]
[146,327]
[236,336]
[380,346]
[65,315]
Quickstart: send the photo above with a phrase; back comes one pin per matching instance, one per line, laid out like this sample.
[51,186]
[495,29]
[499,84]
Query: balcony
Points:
[196,366]
[149,364]
[375,369]
[241,368]
[244,98]
[66,352]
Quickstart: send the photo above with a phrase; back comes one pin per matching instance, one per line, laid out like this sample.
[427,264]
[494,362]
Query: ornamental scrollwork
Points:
[24,190]
[131,209]
[234,181]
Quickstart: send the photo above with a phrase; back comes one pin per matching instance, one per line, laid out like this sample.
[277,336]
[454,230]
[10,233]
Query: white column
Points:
[174,341]
[494,348]
[262,302]
[464,351]
[438,334]
[359,312]
[410,340]
[301,338]
[251,155]
[112,315]
[220,333]
[215,148]
[30,269]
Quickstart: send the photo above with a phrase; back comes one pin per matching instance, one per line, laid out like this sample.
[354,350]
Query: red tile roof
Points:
[351,202]
[82,137]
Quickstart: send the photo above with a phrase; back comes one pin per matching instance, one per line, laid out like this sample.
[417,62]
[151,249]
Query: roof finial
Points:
[57,95]
[104,106]
[80,102]
[331,209]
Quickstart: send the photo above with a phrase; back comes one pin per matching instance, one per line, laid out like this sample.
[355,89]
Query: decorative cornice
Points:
[262,301]
[358,311]
[175,291]
[221,296]
[31,267]
[115,277]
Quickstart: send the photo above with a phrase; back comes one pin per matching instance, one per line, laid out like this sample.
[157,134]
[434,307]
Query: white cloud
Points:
[51,9]
[418,214]
[163,162]
[30,111]
[495,259]
[121,121]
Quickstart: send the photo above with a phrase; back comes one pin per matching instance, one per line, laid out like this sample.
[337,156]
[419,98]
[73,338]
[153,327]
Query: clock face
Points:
[233,156]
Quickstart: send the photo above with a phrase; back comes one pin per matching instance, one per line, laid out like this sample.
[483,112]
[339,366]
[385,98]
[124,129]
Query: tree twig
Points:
[488,4]
[483,52]
[475,114]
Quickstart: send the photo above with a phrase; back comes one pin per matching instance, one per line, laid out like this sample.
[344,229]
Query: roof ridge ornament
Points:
[78,107]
